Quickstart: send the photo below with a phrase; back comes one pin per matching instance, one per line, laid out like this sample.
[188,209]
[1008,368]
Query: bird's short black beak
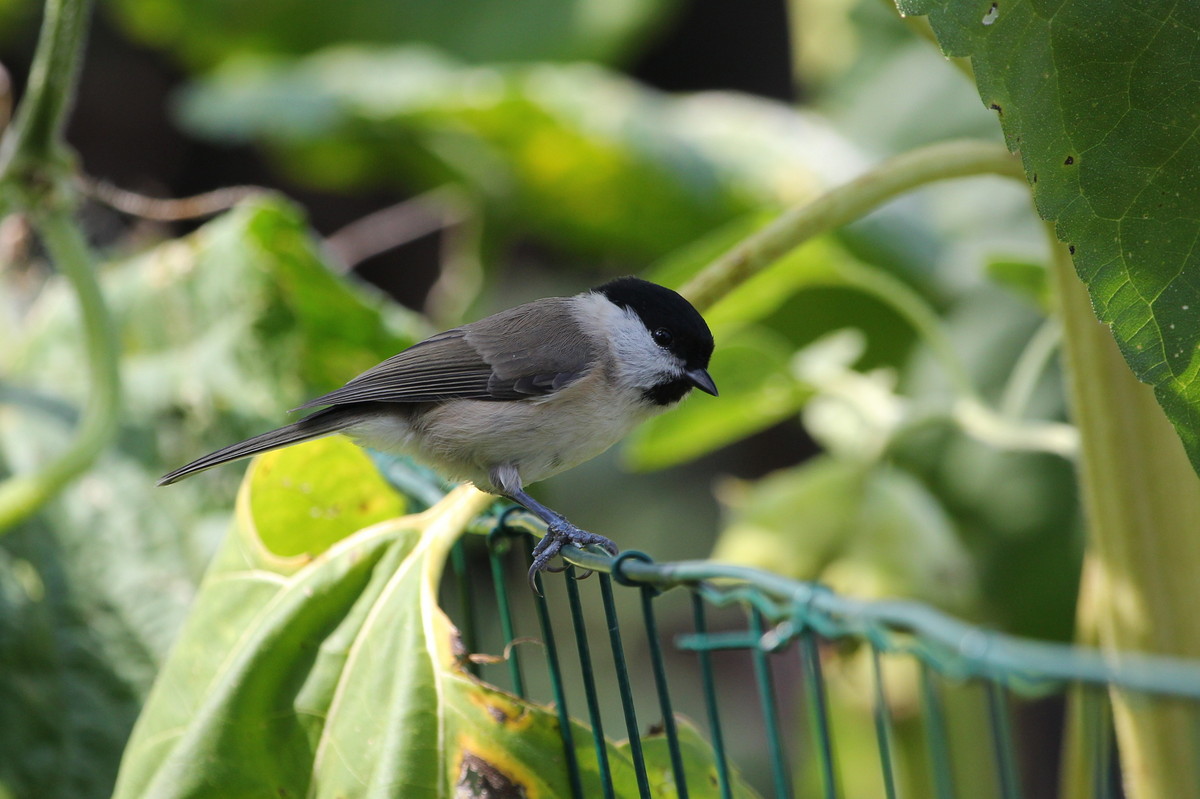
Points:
[700,379]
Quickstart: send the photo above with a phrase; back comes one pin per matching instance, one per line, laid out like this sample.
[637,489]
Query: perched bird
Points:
[519,396]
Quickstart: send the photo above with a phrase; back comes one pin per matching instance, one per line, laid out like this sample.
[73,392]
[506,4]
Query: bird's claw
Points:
[558,534]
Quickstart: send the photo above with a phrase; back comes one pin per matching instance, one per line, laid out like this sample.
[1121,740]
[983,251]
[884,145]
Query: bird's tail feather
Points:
[315,425]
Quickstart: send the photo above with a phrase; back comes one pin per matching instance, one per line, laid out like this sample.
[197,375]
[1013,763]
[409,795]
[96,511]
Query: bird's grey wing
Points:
[516,354]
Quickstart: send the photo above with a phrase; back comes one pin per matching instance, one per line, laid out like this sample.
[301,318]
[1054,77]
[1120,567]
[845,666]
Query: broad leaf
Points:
[1098,96]
[334,673]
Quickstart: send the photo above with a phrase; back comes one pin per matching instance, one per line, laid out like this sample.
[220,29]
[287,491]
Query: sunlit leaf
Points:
[335,496]
[577,154]
[812,291]
[814,264]
[677,267]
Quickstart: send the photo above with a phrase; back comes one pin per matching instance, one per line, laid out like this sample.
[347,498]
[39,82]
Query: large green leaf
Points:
[1099,97]
[231,326]
[333,672]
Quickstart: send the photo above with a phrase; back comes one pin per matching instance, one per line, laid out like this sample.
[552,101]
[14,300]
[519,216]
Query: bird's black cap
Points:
[661,308]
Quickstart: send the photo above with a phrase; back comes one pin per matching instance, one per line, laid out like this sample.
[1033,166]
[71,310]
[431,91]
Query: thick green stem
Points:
[33,144]
[35,179]
[22,495]
[1142,501]
[844,204]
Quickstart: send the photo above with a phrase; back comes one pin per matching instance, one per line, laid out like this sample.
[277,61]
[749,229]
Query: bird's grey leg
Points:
[559,531]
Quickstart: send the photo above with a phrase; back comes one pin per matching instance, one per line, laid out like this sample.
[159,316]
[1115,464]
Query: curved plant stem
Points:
[32,149]
[22,495]
[35,179]
[844,204]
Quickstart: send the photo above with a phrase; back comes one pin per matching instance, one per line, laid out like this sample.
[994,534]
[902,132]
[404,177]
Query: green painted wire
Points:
[556,683]
[883,727]
[1002,748]
[466,601]
[710,699]
[589,682]
[766,698]
[664,694]
[819,710]
[618,653]
[954,648]
[935,735]
[506,622]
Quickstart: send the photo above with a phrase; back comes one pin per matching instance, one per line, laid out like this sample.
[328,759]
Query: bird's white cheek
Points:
[638,361]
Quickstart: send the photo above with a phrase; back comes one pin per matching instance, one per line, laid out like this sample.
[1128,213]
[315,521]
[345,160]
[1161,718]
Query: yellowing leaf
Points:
[334,497]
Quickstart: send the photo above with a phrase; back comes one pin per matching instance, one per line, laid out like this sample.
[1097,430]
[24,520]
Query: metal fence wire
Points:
[752,657]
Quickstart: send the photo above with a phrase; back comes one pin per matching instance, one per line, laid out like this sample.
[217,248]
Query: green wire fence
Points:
[784,627]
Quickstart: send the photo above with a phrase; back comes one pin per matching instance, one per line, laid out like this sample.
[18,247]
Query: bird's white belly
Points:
[467,439]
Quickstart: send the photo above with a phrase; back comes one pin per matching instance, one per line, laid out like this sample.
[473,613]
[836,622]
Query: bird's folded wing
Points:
[509,356]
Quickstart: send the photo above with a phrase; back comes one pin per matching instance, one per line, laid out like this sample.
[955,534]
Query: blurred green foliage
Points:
[203,33]
[573,154]
[15,17]
[225,329]
[862,530]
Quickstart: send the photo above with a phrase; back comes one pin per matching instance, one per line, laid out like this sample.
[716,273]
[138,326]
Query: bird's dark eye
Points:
[662,337]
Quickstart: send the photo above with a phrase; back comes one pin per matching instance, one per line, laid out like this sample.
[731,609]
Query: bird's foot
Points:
[559,533]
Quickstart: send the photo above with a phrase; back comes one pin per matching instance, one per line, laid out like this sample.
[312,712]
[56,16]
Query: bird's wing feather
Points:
[509,356]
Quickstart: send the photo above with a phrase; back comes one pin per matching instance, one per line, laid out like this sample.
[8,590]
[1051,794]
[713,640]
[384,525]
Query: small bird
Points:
[519,396]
